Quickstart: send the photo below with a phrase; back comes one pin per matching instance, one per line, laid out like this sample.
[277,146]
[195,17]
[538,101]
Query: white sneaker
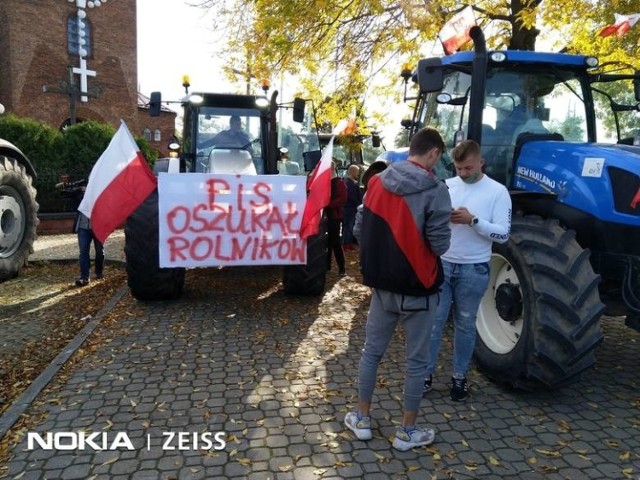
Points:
[415,437]
[361,426]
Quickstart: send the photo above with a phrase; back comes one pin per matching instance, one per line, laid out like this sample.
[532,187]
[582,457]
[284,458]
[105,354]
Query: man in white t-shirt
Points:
[481,215]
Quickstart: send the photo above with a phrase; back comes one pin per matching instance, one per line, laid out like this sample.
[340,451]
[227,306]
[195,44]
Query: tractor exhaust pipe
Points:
[479,75]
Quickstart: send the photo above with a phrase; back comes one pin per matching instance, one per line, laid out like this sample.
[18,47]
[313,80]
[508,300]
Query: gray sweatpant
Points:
[417,315]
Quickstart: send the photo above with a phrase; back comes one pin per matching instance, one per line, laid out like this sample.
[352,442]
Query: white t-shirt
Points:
[490,202]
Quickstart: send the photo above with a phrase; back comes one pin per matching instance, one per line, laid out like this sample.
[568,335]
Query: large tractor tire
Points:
[309,279]
[147,281]
[539,321]
[18,217]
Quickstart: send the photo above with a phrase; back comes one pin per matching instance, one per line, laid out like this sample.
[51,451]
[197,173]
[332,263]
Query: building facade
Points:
[72,60]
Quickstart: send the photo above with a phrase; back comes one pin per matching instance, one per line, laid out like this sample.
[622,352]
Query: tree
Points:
[337,48]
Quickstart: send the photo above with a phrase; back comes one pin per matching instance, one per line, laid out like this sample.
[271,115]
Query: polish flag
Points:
[621,25]
[455,32]
[119,182]
[319,185]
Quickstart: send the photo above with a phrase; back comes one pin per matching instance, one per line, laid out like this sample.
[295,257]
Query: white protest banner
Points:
[210,220]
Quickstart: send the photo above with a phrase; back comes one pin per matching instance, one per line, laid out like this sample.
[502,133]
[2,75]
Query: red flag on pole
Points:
[319,193]
[455,32]
[119,182]
[621,25]
[320,183]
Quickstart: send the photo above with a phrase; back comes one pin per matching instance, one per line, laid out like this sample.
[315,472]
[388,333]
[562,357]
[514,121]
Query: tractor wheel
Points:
[309,279]
[539,321]
[146,279]
[18,217]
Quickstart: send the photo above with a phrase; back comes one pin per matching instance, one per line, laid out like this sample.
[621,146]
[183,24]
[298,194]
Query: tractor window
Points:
[538,101]
[295,139]
[448,117]
[228,129]
[616,100]
[533,101]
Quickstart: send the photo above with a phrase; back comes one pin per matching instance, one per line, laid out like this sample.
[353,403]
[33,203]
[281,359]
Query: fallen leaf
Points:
[110,461]
[548,453]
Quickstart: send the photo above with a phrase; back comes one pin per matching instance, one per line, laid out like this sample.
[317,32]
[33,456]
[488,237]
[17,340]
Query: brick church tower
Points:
[61,59]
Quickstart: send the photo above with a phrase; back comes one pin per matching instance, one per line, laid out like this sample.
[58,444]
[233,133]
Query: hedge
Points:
[52,153]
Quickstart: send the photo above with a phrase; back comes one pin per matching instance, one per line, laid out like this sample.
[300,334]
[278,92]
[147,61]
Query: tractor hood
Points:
[601,179]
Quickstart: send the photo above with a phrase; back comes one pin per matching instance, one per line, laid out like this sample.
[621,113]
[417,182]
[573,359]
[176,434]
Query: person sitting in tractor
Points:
[233,137]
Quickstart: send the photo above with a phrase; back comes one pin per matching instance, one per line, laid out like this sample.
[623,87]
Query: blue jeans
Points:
[85,237]
[417,315]
[464,286]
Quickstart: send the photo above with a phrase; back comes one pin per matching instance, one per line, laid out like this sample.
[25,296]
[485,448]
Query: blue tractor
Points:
[575,235]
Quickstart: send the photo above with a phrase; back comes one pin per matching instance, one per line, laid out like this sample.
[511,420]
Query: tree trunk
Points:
[522,38]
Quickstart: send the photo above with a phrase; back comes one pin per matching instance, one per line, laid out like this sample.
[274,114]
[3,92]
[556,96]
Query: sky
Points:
[175,39]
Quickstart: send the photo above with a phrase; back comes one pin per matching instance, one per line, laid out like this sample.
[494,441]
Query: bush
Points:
[83,144]
[37,140]
[42,144]
[52,153]
[150,154]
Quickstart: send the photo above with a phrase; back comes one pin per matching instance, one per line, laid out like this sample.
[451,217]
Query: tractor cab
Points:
[523,96]
[242,134]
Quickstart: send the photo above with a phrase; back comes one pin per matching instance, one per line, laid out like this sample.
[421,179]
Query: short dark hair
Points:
[424,140]
[464,149]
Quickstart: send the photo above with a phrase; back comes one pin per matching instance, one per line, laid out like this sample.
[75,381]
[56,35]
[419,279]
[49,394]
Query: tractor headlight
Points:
[498,57]
[591,62]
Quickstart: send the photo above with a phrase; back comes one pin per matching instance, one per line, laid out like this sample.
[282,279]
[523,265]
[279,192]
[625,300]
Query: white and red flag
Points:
[119,182]
[455,32]
[319,184]
[621,25]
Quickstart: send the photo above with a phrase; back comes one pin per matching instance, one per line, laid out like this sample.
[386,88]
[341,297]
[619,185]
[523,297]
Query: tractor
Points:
[539,118]
[276,138]
[18,209]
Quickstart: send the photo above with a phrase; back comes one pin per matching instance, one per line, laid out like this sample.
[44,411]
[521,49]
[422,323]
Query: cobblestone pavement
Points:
[65,247]
[278,373]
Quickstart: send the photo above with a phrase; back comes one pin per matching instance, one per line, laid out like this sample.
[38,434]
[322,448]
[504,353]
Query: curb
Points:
[18,407]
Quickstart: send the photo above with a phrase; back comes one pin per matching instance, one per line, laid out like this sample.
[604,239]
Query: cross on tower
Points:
[82,52]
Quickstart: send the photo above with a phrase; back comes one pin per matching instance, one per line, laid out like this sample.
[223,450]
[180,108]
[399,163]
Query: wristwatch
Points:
[473,222]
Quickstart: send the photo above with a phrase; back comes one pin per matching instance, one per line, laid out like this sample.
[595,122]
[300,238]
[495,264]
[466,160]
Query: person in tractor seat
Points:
[233,137]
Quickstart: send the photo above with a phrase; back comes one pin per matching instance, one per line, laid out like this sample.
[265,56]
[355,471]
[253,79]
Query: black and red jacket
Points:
[403,228]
